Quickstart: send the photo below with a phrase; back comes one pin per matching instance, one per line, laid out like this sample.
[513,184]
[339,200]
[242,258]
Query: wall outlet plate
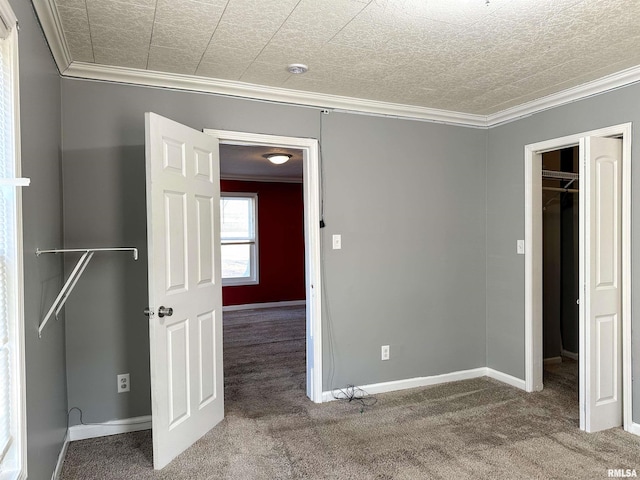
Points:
[124,383]
[385,352]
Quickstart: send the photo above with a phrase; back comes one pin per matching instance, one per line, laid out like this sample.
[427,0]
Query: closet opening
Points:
[560,265]
[604,273]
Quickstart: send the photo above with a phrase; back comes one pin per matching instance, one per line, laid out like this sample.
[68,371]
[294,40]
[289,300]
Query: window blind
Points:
[8,254]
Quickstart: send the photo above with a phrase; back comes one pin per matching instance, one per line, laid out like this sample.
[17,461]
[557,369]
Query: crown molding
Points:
[347,104]
[580,92]
[52,27]
[260,92]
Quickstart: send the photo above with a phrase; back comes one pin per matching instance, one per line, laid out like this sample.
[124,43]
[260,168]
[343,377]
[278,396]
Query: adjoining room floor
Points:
[480,428]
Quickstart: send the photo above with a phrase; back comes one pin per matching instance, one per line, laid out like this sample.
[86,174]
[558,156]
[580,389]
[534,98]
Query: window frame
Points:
[17,452]
[254,260]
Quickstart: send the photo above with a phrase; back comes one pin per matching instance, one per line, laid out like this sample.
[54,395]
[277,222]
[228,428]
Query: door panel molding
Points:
[184,280]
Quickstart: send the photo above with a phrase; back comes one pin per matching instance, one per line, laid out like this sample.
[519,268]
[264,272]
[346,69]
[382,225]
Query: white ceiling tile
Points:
[248,10]
[231,70]
[369,30]
[173,60]
[76,29]
[227,55]
[122,57]
[71,3]
[336,54]
[165,35]
[228,35]
[74,19]
[330,16]
[191,15]
[265,74]
[80,46]
[116,38]
[527,12]
[141,3]
[119,15]
[456,12]
[288,37]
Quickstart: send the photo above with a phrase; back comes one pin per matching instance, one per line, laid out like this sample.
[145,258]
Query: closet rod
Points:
[75,275]
[563,190]
[68,250]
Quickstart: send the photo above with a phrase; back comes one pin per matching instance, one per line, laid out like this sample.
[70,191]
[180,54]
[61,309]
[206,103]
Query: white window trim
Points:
[18,396]
[254,279]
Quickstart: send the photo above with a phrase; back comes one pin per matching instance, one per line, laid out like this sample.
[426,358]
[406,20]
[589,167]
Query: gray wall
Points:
[42,214]
[505,218]
[551,271]
[408,198]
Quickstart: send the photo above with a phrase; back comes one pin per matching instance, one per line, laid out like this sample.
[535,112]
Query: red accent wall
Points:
[280,244]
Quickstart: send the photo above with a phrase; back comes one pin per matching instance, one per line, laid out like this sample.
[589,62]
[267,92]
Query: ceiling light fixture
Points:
[277,158]
[297,68]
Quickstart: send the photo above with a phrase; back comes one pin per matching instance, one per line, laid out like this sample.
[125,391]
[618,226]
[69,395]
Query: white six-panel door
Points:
[602,277]
[183,198]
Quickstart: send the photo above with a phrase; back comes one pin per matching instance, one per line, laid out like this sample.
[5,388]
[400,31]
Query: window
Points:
[239,236]
[12,418]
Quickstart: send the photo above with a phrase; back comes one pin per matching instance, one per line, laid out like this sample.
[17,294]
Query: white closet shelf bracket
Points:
[87,255]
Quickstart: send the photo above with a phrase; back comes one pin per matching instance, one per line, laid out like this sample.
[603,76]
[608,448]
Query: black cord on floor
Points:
[354,394]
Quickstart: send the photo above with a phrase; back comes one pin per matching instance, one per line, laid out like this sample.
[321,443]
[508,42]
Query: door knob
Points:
[165,311]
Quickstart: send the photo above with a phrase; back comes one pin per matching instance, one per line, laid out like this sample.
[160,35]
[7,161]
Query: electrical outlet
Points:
[124,383]
[385,352]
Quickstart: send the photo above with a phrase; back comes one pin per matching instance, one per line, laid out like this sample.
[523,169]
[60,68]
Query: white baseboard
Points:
[504,378]
[552,360]
[113,427]
[396,385]
[571,355]
[251,306]
[63,453]
[634,428]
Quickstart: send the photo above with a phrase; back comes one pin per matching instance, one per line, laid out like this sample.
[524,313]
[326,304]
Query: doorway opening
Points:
[308,151]
[263,277]
[560,252]
[604,339]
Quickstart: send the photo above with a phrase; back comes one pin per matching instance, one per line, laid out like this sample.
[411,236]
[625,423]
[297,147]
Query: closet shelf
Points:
[75,275]
[560,175]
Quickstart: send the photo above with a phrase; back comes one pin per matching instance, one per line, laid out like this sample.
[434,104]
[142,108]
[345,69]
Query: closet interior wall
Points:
[560,255]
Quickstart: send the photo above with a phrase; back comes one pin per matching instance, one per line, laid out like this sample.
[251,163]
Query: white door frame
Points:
[533,264]
[311,186]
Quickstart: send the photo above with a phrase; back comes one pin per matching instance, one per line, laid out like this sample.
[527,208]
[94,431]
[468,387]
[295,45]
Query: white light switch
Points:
[520,247]
[337,242]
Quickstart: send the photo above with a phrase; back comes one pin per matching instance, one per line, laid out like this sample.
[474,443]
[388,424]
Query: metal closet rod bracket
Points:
[75,275]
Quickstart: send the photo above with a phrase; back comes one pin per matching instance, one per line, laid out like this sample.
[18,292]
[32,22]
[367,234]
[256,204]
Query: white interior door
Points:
[183,228]
[602,314]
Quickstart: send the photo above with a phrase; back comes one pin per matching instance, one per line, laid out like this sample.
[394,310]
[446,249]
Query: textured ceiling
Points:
[248,163]
[456,55]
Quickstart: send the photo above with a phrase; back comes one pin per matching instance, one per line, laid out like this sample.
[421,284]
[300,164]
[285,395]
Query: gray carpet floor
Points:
[476,429]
